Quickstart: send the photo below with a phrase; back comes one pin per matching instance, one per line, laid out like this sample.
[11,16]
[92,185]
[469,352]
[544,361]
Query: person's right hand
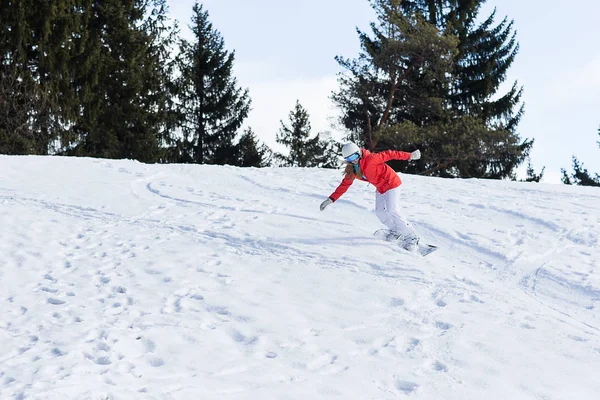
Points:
[326,203]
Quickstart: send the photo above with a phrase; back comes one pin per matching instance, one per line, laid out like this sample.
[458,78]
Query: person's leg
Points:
[396,222]
[381,210]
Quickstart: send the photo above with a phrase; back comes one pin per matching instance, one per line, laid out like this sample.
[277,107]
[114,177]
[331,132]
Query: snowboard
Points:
[422,248]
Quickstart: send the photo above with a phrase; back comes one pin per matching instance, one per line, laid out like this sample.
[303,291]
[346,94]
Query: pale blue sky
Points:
[285,51]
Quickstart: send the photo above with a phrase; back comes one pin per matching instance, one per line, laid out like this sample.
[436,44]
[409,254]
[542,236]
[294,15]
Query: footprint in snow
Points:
[151,271]
[443,325]
[57,352]
[119,289]
[438,366]
[241,338]
[149,345]
[476,299]
[396,302]
[414,342]
[103,360]
[577,338]
[155,361]
[218,310]
[406,386]
[56,302]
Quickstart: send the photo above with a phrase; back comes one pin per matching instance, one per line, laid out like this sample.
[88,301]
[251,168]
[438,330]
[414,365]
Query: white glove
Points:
[326,203]
[415,155]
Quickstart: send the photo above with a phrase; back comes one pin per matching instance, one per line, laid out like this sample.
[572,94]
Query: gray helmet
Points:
[349,148]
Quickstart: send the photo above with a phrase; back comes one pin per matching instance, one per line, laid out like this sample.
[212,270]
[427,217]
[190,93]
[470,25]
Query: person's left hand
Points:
[415,155]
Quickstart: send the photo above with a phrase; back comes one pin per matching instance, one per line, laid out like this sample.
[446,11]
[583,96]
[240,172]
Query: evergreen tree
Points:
[91,75]
[17,88]
[401,74]
[212,106]
[31,41]
[401,93]
[485,53]
[580,175]
[251,153]
[531,175]
[124,97]
[328,152]
[19,100]
[59,56]
[304,151]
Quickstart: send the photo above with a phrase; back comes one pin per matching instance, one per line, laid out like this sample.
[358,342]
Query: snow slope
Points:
[120,280]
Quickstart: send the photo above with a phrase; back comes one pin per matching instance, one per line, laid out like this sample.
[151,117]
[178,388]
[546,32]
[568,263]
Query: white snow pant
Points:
[388,212]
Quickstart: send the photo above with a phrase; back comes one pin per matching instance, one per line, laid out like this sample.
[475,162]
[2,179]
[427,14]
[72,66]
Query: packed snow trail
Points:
[121,280]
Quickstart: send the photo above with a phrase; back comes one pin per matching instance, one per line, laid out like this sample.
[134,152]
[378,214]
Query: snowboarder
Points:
[371,167]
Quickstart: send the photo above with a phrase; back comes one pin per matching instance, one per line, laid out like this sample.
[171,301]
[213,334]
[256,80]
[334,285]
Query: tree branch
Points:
[392,94]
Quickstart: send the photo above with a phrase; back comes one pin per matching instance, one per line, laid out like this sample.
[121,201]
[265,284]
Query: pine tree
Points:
[31,34]
[531,175]
[18,97]
[251,153]
[485,53]
[124,99]
[212,106]
[400,75]
[580,175]
[304,151]
[328,152]
[401,92]
[19,100]
[60,59]
[92,75]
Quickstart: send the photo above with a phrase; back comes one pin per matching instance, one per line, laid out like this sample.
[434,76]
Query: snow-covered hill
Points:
[120,280]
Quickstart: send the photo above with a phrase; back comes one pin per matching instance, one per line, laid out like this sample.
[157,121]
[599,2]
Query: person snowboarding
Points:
[372,168]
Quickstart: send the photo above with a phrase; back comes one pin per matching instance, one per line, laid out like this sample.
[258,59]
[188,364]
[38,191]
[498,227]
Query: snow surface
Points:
[120,280]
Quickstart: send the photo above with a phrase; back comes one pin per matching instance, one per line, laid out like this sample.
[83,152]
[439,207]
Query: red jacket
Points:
[375,171]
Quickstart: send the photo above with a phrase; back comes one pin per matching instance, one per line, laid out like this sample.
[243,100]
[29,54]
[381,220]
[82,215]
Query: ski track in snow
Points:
[121,280]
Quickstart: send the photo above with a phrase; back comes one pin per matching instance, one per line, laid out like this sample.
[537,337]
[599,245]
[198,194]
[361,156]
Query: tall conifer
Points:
[405,91]
[124,101]
[251,152]
[212,106]
[304,150]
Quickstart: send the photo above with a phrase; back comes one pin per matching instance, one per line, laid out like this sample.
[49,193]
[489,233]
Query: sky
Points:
[285,52]
[178,282]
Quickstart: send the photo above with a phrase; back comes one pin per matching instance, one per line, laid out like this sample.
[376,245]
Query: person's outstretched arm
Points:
[341,189]
[388,155]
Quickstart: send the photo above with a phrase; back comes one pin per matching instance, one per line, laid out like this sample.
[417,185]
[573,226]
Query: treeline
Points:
[115,79]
